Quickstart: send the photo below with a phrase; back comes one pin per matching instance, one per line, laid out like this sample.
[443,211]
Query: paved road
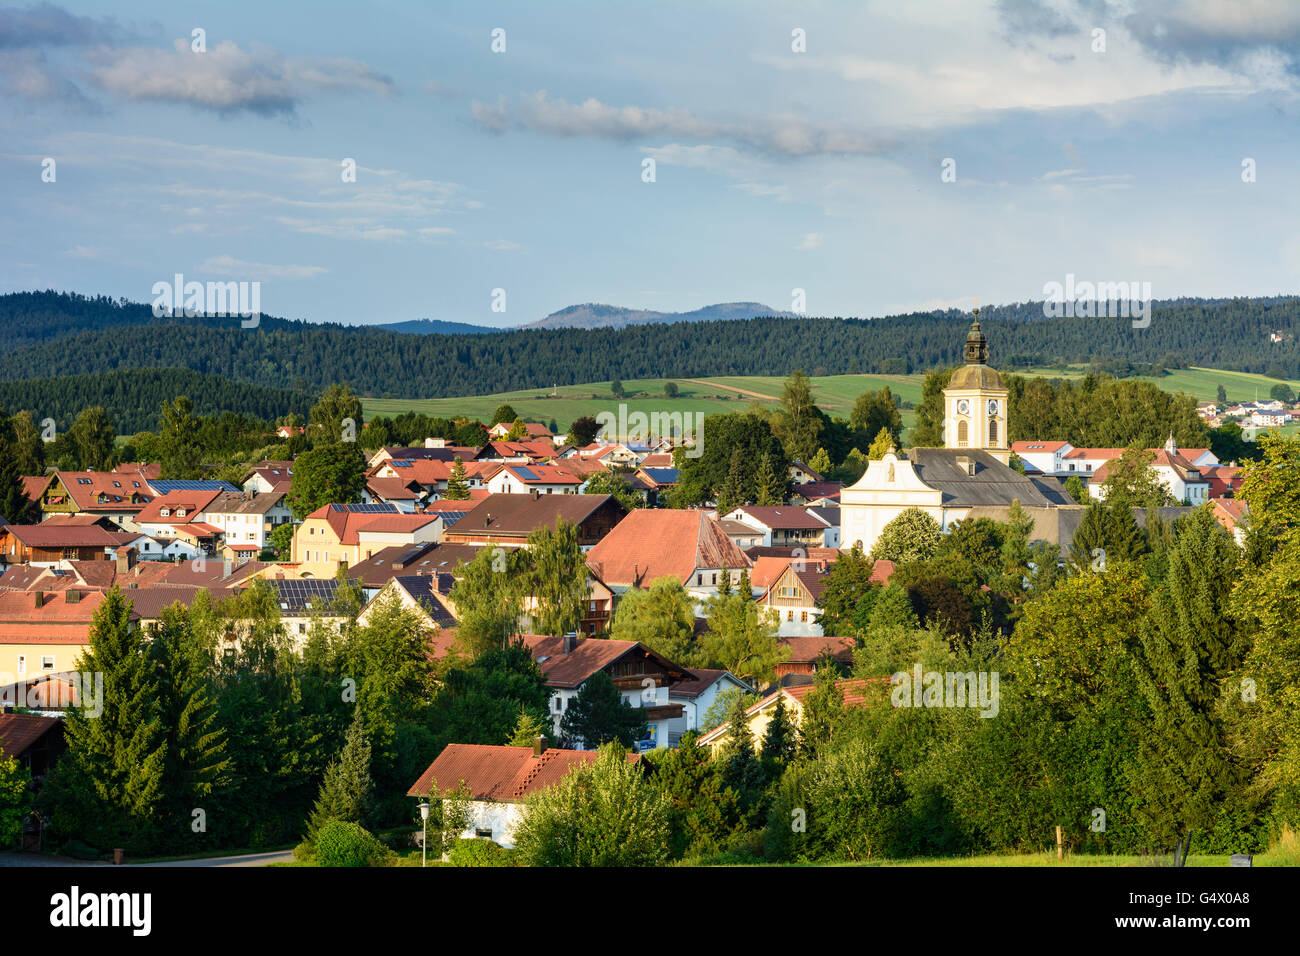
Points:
[248,859]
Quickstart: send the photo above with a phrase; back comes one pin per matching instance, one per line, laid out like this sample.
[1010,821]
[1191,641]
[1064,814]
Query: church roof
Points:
[992,483]
[976,376]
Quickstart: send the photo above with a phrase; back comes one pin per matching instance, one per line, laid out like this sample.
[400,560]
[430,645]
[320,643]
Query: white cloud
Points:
[230,266]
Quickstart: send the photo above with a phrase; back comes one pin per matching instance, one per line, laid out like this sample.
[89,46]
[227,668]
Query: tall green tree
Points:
[345,791]
[797,423]
[328,474]
[662,617]
[335,407]
[598,714]
[92,439]
[557,578]
[181,457]
[457,485]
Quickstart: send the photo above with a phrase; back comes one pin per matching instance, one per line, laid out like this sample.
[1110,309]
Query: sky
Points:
[882,157]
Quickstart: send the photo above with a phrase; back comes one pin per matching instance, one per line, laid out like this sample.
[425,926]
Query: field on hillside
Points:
[719,395]
[835,394]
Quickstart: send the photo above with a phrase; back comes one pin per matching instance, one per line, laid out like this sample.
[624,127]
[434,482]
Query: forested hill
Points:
[132,397]
[1232,334]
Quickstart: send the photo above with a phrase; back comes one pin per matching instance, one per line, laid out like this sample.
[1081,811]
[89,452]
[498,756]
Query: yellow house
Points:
[349,534]
[856,693]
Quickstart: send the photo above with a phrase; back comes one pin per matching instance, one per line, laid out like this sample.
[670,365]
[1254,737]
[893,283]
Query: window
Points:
[483,833]
[789,615]
[47,662]
[22,664]
[803,616]
[993,433]
[962,432]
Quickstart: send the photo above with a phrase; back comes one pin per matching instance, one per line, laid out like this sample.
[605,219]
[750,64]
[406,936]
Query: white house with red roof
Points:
[525,479]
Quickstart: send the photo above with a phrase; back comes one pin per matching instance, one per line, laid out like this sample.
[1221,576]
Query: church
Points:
[968,477]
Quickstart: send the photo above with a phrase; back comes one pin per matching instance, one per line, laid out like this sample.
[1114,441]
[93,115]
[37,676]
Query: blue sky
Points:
[775,169]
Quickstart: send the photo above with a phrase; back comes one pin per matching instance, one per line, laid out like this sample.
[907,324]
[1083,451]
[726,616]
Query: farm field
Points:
[721,394]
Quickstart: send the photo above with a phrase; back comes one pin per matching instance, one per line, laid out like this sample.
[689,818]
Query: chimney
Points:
[39,597]
[539,746]
[568,643]
[966,464]
[536,492]
[227,566]
[72,596]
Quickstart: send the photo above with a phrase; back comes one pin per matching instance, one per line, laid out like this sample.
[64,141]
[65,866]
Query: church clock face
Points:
[993,406]
[963,407]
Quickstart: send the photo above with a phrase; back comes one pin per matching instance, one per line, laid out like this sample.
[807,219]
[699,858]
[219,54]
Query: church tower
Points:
[975,402]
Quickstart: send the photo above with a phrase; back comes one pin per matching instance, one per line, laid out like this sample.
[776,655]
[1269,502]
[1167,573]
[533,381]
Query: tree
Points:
[781,741]
[335,408]
[328,474]
[29,449]
[703,811]
[927,429]
[734,491]
[912,536]
[601,814]
[504,413]
[1282,392]
[848,594]
[281,540]
[598,714]
[670,390]
[616,388]
[1270,486]
[15,799]
[107,789]
[15,506]
[518,430]
[741,637]
[770,484]
[1189,644]
[92,437]
[613,483]
[1076,489]
[583,431]
[470,434]
[480,702]
[1221,395]
[1132,481]
[1088,546]
[662,618]
[823,710]
[488,600]
[821,462]
[345,791]
[700,479]
[457,485]
[881,445]
[797,424]
[180,456]
[528,728]
[556,579]
[874,412]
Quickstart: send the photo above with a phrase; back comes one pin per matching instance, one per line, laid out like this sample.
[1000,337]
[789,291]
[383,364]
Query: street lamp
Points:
[424,840]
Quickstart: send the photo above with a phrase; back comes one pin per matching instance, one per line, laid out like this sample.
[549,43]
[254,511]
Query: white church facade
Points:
[968,477]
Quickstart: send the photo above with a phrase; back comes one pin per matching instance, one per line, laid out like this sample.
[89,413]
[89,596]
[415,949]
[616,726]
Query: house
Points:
[697,692]
[433,448]
[816,492]
[801,474]
[337,534]
[784,526]
[403,494]
[177,517]
[640,674]
[855,693]
[426,558]
[118,497]
[689,546]
[1181,477]
[807,652]
[1234,515]
[44,632]
[35,741]
[744,536]
[793,598]
[526,479]
[418,593]
[46,544]
[658,480]
[499,780]
[507,520]
[302,601]
[532,430]
[247,519]
[268,476]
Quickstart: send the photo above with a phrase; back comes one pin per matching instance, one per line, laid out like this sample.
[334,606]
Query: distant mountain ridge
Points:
[597,315]
[436,327]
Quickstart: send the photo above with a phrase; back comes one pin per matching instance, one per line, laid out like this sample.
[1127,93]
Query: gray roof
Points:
[993,483]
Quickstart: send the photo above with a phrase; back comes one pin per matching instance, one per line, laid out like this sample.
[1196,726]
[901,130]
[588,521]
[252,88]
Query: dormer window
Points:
[180,512]
[164,512]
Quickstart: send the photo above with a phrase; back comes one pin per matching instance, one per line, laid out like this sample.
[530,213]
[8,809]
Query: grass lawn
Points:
[1203,383]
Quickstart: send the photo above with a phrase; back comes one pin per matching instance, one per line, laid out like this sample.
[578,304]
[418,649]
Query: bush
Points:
[339,843]
[479,853]
[80,851]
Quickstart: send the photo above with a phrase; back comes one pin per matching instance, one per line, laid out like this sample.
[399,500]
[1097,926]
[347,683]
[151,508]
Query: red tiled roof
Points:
[85,487]
[805,650]
[651,543]
[193,502]
[34,485]
[64,536]
[500,773]
[783,516]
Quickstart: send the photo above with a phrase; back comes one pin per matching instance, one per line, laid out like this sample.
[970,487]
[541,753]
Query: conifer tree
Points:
[1189,644]
[457,486]
[1088,546]
[1125,541]
[528,728]
[770,484]
[108,788]
[822,710]
[780,742]
[600,714]
[732,494]
[345,791]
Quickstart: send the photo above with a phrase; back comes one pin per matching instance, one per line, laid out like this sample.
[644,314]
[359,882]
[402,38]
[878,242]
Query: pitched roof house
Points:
[648,544]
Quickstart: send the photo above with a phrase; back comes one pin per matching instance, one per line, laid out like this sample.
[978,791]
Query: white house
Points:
[696,693]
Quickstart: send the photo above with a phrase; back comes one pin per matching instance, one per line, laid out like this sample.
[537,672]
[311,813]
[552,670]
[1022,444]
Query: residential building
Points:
[688,546]
[507,520]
